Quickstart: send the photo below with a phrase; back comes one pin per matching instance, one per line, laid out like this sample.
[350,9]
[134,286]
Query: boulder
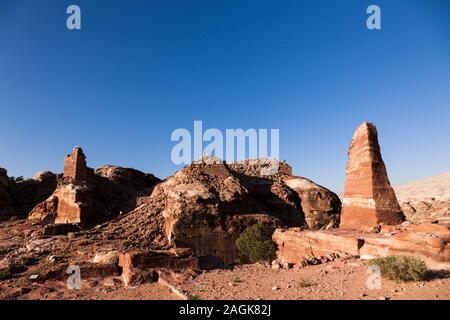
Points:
[139,266]
[295,244]
[321,206]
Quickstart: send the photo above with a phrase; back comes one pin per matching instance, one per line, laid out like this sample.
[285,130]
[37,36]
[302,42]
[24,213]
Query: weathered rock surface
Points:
[75,167]
[437,187]
[268,168]
[427,210]
[84,196]
[321,206]
[139,266]
[18,197]
[6,204]
[369,199]
[428,241]
[207,206]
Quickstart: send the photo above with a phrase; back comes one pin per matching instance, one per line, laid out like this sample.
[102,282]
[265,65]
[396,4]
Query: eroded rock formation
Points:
[207,206]
[321,206]
[84,196]
[6,205]
[75,165]
[18,196]
[369,199]
[428,241]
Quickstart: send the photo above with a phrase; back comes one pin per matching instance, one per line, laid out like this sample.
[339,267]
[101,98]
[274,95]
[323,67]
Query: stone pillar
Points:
[75,165]
[369,199]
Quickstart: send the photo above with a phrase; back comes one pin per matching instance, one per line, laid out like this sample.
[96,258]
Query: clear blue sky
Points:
[140,69]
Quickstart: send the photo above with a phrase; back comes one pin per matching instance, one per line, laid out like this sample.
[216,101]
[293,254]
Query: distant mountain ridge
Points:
[437,186]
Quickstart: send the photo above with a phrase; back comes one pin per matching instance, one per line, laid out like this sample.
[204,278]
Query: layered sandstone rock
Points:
[321,206]
[431,242]
[369,199]
[75,165]
[294,244]
[139,266]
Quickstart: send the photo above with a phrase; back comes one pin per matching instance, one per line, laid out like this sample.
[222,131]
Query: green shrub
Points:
[14,219]
[305,283]
[401,268]
[193,297]
[256,243]
[5,274]
[28,261]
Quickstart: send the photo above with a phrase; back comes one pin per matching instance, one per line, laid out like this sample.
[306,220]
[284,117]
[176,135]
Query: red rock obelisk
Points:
[75,165]
[369,199]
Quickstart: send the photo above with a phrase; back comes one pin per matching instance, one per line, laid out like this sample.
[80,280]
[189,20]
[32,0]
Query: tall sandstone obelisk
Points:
[369,199]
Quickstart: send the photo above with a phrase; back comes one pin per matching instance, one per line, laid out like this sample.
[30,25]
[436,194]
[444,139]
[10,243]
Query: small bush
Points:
[28,261]
[14,218]
[401,268]
[256,243]
[305,283]
[5,274]
[193,297]
[237,280]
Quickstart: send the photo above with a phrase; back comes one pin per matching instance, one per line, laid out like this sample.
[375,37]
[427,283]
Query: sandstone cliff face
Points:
[321,206]
[369,199]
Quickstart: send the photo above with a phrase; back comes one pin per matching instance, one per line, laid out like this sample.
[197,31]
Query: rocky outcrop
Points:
[84,196]
[427,210]
[139,266]
[18,196]
[428,241]
[75,167]
[369,199]
[268,168]
[6,204]
[206,206]
[27,194]
[321,206]
[436,187]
